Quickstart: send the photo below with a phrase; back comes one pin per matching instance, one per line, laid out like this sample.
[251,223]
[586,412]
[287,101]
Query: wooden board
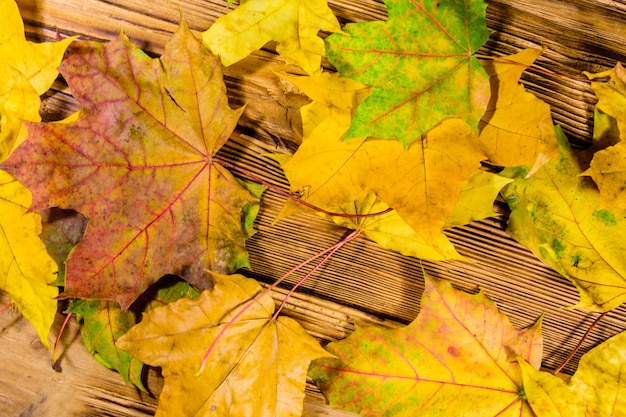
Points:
[362,284]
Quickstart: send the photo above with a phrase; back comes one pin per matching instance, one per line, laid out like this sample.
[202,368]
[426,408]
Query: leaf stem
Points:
[347,239]
[328,252]
[293,197]
[573,352]
[55,365]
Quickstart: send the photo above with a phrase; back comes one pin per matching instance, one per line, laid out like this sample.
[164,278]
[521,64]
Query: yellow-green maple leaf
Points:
[558,215]
[598,388]
[26,269]
[102,323]
[457,358]
[27,70]
[294,24]
[421,63]
[257,368]
[517,127]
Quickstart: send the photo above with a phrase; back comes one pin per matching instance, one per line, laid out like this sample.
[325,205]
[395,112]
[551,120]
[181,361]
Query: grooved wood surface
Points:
[362,284]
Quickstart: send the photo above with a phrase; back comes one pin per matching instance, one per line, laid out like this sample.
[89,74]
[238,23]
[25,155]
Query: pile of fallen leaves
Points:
[138,162]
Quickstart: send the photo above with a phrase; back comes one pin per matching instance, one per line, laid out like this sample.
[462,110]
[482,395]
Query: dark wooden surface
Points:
[362,284]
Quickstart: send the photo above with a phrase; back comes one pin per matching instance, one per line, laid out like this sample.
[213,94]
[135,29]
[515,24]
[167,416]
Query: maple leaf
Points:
[612,94]
[27,70]
[456,358]
[422,182]
[517,127]
[138,163]
[25,267]
[478,194]
[605,130]
[294,24]
[557,214]
[333,98]
[104,322]
[607,167]
[596,389]
[608,170]
[258,366]
[420,64]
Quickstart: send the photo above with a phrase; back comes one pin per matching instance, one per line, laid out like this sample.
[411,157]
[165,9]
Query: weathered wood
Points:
[362,283]
[30,387]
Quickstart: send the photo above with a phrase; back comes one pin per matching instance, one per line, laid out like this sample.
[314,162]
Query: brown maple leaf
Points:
[139,165]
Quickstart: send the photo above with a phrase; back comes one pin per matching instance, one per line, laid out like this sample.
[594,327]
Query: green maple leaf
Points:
[420,64]
[103,323]
[457,358]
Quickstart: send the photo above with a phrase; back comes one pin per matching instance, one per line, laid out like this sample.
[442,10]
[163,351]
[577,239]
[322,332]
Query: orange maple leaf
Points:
[139,165]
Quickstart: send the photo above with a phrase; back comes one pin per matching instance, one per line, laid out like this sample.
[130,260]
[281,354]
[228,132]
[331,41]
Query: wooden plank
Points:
[362,283]
[30,387]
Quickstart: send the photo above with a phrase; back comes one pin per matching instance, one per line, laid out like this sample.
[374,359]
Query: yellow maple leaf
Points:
[26,269]
[608,166]
[421,182]
[612,94]
[517,127]
[334,97]
[608,170]
[478,193]
[390,231]
[18,102]
[27,70]
[294,24]
[596,389]
[257,368]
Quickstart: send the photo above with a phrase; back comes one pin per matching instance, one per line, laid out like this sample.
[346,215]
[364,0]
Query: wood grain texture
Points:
[362,284]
